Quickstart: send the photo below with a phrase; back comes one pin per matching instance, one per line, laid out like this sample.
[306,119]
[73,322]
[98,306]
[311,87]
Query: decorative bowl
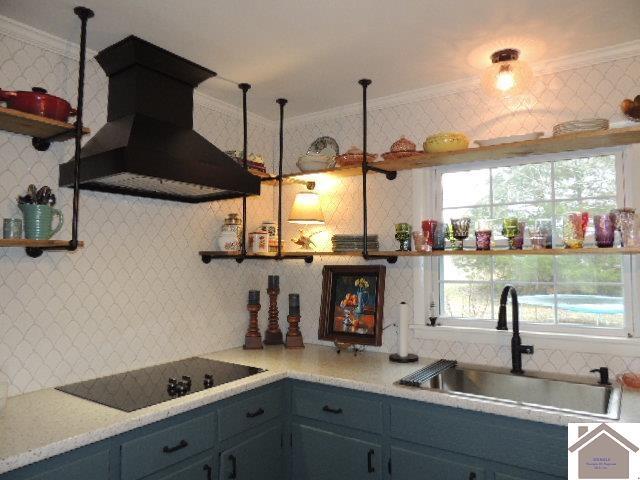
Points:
[353,157]
[403,144]
[446,142]
[312,162]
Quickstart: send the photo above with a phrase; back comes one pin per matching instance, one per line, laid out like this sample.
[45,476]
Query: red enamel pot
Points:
[38,102]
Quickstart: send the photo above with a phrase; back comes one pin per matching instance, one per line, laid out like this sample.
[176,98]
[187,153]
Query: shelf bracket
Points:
[40,144]
[390,174]
[33,252]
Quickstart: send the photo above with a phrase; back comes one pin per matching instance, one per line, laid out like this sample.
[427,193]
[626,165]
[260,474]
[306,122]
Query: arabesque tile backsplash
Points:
[138,294]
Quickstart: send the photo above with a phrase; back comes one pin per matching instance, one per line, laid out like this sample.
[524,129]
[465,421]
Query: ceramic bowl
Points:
[446,142]
[354,157]
[312,162]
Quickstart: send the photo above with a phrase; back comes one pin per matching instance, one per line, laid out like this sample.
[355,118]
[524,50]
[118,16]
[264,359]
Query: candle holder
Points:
[273,334]
[252,339]
[294,336]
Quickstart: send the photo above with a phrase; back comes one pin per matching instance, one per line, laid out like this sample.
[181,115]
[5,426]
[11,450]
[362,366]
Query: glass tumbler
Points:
[628,223]
[429,230]
[541,234]
[574,226]
[605,228]
[420,242]
[440,236]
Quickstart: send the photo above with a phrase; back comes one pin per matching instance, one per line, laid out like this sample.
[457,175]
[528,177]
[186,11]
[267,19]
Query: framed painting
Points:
[352,304]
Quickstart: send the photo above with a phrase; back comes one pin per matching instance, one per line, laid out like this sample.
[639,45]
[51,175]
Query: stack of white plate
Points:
[575,126]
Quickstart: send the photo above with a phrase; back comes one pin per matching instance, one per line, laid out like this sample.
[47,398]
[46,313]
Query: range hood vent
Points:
[148,147]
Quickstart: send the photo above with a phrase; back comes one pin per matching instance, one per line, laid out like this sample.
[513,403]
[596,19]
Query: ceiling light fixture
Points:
[507,76]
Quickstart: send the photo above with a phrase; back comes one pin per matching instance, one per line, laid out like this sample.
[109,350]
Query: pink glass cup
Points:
[483,239]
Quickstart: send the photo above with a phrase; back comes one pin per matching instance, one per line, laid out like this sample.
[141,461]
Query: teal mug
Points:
[38,221]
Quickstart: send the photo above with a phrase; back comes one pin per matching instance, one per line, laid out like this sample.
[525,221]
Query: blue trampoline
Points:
[598,304]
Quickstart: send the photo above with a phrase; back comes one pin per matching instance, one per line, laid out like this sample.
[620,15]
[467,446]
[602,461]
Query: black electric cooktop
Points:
[137,389]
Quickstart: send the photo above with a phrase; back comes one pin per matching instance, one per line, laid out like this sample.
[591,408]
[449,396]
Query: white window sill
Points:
[546,340]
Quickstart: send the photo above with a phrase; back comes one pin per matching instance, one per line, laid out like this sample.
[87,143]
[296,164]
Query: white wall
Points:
[569,92]
[137,294]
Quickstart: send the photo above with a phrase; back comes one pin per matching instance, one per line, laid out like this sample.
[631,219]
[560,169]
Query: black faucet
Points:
[517,349]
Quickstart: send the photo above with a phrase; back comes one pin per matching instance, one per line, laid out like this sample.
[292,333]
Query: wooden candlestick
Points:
[252,339]
[294,337]
[273,334]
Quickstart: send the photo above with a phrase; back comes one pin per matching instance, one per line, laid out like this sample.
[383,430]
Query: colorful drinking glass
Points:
[403,236]
[605,228]
[429,230]
[510,230]
[440,236]
[574,227]
[483,239]
[542,234]
[460,231]
[420,242]
[628,223]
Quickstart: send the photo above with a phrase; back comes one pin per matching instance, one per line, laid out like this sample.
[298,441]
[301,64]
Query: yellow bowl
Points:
[446,142]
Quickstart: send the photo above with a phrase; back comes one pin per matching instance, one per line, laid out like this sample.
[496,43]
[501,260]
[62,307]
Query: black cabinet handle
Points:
[473,476]
[234,467]
[370,454]
[180,446]
[327,408]
[209,470]
[257,413]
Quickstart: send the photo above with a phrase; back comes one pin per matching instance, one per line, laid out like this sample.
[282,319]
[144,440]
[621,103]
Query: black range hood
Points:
[148,147]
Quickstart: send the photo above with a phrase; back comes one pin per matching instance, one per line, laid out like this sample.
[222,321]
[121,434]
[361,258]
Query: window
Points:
[556,293]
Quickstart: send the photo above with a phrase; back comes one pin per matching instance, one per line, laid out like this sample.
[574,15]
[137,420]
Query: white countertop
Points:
[41,424]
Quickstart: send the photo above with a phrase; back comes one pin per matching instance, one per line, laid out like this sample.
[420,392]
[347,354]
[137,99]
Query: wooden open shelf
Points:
[26,243]
[503,252]
[562,143]
[36,126]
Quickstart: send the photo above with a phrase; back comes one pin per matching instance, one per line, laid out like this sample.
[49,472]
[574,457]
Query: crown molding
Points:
[38,38]
[215,104]
[68,49]
[569,62]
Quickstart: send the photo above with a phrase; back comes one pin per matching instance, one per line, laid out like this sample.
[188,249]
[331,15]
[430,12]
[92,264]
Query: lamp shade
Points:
[306,209]
[507,75]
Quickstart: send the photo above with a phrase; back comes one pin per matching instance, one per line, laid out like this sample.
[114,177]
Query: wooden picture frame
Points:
[352,304]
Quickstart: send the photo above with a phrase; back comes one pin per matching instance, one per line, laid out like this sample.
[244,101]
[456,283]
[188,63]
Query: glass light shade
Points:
[306,209]
[507,78]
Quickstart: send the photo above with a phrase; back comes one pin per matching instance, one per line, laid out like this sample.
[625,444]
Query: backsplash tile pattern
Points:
[579,93]
[138,293]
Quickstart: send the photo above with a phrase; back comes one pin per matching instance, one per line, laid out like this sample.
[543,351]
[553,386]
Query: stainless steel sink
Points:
[572,396]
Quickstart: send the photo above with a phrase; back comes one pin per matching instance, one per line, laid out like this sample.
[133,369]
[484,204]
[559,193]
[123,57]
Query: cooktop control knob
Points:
[208,380]
[187,381]
[172,387]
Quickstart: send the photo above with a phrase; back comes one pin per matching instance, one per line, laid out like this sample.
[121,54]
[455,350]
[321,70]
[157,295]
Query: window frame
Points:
[433,197]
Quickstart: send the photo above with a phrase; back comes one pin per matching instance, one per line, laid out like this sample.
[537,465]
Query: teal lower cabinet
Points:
[260,457]
[305,431]
[320,454]
[409,464]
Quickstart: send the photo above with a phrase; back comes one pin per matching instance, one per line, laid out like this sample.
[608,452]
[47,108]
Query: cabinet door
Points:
[322,455]
[258,458]
[414,465]
[514,474]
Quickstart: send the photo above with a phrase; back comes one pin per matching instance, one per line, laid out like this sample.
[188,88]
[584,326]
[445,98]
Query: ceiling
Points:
[313,51]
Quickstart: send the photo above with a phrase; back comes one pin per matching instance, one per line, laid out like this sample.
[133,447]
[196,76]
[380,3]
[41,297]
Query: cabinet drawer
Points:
[249,412]
[338,408]
[161,449]
[414,465]
[532,445]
